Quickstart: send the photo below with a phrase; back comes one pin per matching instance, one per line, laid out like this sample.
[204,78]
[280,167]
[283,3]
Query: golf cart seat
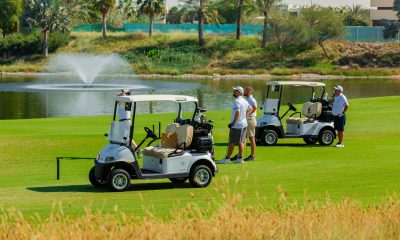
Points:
[310,111]
[183,137]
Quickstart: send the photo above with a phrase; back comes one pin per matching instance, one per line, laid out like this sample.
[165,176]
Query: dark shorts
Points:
[339,122]
[237,135]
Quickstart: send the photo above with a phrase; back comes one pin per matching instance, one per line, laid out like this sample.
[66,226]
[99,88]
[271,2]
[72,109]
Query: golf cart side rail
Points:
[156,97]
[295,83]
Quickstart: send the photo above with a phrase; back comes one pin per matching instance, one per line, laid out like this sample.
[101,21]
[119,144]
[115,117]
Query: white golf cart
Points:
[186,150]
[314,123]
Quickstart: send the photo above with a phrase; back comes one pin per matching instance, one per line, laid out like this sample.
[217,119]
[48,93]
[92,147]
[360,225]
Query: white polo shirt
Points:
[252,103]
[338,104]
[240,105]
[121,112]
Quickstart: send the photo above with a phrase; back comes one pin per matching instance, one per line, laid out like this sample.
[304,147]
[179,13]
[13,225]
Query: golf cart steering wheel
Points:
[150,133]
[291,107]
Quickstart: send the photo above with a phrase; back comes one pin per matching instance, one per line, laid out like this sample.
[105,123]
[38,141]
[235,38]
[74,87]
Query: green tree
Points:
[151,8]
[264,7]
[48,16]
[233,11]
[125,11]
[204,11]
[225,8]
[10,11]
[323,24]
[392,29]
[174,15]
[288,31]
[104,7]
[356,15]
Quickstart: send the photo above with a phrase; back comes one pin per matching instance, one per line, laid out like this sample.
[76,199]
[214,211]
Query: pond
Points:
[17,101]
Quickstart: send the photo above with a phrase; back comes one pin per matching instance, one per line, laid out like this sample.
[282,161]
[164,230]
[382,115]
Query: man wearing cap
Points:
[123,109]
[251,122]
[339,108]
[237,126]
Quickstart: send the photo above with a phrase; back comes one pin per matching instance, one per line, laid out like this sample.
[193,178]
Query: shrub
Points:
[28,44]
[20,44]
[57,40]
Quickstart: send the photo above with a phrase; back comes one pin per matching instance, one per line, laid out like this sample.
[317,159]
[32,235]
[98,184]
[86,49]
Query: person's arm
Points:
[252,109]
[235,118]
[345,108]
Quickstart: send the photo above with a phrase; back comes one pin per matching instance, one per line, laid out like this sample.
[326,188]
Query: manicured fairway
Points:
[367,169]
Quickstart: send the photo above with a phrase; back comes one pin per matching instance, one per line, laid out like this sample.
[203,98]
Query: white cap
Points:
[338,87]
[239,89]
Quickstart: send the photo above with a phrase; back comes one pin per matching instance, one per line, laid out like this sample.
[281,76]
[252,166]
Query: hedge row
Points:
[27,44]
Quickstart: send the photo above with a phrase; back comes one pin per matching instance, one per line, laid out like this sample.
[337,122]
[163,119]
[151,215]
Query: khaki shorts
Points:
[251,127]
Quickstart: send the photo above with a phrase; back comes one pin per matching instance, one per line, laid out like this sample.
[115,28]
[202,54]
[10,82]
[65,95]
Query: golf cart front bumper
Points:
[101,170]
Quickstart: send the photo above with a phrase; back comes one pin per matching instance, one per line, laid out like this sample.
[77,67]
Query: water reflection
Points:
[214,94]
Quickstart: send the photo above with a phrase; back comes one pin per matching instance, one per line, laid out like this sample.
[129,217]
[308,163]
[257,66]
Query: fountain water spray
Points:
[88,67]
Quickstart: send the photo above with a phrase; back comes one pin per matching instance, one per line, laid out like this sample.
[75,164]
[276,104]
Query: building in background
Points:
[381,11]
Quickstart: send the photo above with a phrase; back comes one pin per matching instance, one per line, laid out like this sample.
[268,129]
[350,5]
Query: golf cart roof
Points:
[156,98]
[295,83]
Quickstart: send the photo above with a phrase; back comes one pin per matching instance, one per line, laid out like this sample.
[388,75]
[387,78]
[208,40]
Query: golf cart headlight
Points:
[109,159]
[261,123]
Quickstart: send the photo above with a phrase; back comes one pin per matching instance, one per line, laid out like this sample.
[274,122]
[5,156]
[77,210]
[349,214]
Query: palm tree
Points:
[152,8]
[205,12]
[104,6]
[48,16]
[239,19]
[264,7]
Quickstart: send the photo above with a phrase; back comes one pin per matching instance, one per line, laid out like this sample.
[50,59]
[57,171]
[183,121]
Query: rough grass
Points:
[177,53]
[314,220]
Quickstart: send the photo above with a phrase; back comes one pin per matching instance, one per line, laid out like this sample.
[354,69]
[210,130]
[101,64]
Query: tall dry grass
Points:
[311,220]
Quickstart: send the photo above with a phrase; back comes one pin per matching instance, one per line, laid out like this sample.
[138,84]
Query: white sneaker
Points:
[224,161]
[239,160]
[339,145]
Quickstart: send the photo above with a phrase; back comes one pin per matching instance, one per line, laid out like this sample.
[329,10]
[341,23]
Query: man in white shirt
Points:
[339,108]
[237,133]
[123,109]
[251,122]
[124,118]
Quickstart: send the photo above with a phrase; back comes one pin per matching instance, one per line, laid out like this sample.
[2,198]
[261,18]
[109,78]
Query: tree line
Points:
[313,25]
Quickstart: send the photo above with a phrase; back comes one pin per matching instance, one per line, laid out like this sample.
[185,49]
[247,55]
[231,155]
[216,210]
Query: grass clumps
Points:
[178,53]
[313,220]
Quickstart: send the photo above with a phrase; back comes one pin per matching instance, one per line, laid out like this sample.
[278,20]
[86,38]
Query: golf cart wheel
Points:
[94,181]
[178,180]
[200,176]
[326,137]
[270,137]
[119,180]
[310,140]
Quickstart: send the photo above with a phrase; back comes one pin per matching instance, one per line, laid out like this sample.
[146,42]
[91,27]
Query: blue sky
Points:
[334,3]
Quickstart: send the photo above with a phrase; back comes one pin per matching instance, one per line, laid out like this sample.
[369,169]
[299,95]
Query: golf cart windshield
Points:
[283,92]
[122,128]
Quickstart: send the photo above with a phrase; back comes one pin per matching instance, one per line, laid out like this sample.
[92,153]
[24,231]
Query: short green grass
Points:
[366,170]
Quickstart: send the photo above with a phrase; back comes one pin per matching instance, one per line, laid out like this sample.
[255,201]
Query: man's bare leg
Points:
[252,145]
[230,150]
[341,136]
